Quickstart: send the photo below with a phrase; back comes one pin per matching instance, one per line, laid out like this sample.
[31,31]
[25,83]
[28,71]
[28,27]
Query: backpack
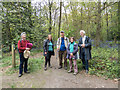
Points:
[17,47]
[65,39]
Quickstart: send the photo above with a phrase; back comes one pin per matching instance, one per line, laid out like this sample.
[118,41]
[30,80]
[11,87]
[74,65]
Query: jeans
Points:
[47,58]
[84,60]
[22,61]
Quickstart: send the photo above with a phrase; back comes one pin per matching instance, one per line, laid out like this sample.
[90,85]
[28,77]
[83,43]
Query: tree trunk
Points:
[98,24]
[60,19]
[50,17]
[30,14]
[54,22]
[107,24]
[81,18]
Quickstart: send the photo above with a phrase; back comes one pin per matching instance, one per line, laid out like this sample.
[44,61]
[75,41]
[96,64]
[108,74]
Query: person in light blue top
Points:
[50,46]
[72,47]
[72,55]
[48,51]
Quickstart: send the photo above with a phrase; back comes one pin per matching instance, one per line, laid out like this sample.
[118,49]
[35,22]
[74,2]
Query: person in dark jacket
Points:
[48,51]
[85,49]
[72,55]
[21,48]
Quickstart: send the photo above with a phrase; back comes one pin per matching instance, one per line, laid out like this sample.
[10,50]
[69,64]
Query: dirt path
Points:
[55,78]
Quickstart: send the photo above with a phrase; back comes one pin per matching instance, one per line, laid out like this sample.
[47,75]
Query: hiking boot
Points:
[60,67]
[27,72]
[65,68]
[45,68]
[87,71]
[75,73]
[50,66]
[20,75]
[69,71]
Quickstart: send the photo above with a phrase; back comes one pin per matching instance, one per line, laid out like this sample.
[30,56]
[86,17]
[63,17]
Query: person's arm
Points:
[89,43]
[79,44]
[53,48]
[20,47]
[44,46]
[29,42]
[58,43]
[76,49]
[68,51]
[67,40]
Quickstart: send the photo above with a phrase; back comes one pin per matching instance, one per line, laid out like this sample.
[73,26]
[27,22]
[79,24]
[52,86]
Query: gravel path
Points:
[55,78]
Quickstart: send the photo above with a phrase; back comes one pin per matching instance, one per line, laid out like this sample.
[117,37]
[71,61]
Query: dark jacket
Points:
[46,47]
[87,47]
[74,52]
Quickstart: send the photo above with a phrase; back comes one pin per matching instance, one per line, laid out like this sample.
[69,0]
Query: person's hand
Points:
[83,45]
[27,49]
[45,52]
[71,54]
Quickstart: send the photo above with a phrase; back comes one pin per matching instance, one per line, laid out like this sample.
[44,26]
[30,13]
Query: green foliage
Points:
[34,20]
[34,64]
[17,18]
[105,62]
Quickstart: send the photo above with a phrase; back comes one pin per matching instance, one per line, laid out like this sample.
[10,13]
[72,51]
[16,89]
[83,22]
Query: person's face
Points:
[62,34]
[82,34]
[24,36]
[71,40]
[50,37]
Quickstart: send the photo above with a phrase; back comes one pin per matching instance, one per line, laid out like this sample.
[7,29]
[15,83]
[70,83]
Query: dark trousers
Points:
[22,61]
[84,60]
[61,54]
[47,58]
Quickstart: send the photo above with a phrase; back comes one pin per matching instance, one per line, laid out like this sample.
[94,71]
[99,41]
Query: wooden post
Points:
[13,55]
[1,52]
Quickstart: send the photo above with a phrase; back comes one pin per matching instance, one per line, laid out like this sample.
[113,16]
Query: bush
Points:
[105,62]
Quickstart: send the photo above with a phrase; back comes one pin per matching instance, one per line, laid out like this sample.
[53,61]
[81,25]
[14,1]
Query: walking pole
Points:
[57,56]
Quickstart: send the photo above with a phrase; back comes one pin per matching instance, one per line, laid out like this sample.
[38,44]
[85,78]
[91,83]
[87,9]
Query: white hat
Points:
[26,54]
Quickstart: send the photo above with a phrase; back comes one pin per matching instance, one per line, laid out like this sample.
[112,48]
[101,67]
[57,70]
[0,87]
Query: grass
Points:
[105,62]
[33,64]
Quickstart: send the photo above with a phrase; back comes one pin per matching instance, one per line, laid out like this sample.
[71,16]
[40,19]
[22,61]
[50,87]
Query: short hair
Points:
[82,31]
[23,33]
[72,38]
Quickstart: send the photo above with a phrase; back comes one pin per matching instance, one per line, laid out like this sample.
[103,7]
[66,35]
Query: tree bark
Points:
[60,19]
[50,17]
[98,24]
[81,18]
